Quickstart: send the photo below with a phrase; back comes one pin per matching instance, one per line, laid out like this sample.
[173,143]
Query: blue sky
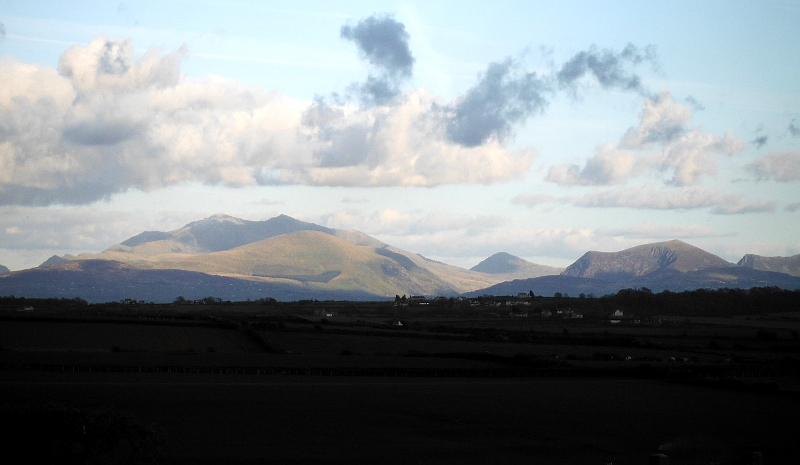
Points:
[449,130]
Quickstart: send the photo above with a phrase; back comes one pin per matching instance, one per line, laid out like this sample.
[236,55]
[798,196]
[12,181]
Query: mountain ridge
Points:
[644,259]
[289,257]
[788,265]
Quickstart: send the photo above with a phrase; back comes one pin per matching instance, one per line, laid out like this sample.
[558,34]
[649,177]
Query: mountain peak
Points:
[507,266]
[644,259]
[501,262]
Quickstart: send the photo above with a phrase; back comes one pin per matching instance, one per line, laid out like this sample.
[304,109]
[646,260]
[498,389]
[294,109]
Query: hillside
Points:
[295,252]
[4,270]
[317,260]
[108,281]
[788,265]
[673,265]
[642,260]
[507,267]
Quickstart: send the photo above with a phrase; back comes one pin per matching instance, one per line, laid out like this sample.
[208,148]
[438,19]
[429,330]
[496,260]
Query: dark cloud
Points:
[759,141]
[502,98]
[608,67]
[375,91]
[103,133]
[79,194]
[694,103]
[793,130]
[2,31]
[383,42]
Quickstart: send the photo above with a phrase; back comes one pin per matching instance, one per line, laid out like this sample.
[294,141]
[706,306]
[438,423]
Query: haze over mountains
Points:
[288,259]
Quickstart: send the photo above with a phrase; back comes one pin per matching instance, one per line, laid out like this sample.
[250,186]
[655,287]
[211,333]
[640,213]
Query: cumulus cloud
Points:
[504,96]
[383,42]
[780,166]
[662,142]
[610,165]
[507,94]
[608,67]
[107,121]
[402,144]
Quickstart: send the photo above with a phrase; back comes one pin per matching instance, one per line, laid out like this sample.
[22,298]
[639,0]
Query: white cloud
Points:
[396,223]
[610,165]
[780,166]
[662,143]
[649,230]
[672,199]
[107,121]
[652,198]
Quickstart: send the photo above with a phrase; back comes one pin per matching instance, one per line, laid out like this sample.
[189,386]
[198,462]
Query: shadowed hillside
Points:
[788,265]
[109,281]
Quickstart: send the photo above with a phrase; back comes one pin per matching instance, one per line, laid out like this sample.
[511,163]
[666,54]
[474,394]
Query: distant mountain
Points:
[644,259]
[4,270]
[673,265]
[670,280]
[214,234]
[293,252]
[788,265]
[55,259]
[507,267]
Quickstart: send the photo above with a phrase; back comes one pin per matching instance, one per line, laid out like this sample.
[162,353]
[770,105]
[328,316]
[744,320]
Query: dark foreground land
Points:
[325,382]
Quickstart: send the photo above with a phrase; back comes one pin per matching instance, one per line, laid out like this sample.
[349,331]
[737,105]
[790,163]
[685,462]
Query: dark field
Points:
[249,384]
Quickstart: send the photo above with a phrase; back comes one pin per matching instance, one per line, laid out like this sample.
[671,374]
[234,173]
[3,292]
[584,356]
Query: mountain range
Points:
[288,259]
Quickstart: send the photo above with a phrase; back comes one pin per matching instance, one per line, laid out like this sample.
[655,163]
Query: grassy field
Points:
[254,384]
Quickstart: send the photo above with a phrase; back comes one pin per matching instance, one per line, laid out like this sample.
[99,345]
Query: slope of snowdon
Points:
[788,265]
[644,259]
[507,267]
[108,281]
[317,260]
[212,235]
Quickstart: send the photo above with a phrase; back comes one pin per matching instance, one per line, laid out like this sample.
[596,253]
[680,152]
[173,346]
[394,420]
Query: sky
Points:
[450,129]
